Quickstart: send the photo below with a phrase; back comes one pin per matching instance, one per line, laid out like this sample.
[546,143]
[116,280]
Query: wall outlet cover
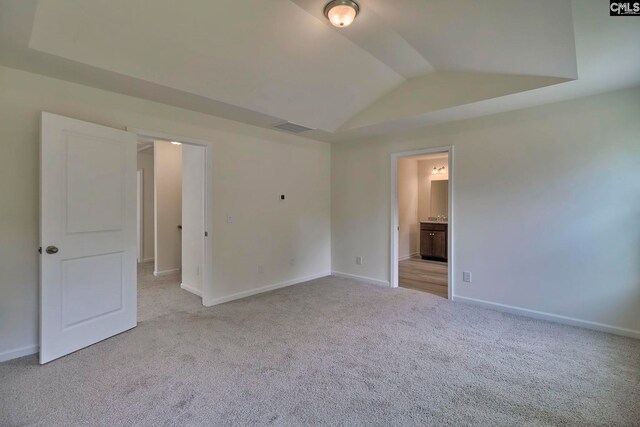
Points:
[466,276]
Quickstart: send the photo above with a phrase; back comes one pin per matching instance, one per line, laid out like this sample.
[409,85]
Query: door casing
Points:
[393,226]
[207,255]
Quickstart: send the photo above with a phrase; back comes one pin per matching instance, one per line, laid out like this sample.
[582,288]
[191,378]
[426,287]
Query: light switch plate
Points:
[466,276]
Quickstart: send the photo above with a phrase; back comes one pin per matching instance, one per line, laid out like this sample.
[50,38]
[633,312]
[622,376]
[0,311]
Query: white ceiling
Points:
[401,65]
[261,55]
[528,37]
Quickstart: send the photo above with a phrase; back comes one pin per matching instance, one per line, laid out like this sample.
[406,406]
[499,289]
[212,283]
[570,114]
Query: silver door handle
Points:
[51,250]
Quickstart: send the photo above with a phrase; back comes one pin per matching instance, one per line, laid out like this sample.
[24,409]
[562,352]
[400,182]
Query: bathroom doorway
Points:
[422,221]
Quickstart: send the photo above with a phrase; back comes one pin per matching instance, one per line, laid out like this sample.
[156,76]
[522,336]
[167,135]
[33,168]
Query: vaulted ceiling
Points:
[402,63]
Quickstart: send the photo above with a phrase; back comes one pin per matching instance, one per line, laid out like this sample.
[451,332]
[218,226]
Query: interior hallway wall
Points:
[409,229]
[168,208]
[145,163]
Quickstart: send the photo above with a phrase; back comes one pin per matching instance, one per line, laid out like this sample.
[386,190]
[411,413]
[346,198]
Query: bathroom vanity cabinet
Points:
[433,240]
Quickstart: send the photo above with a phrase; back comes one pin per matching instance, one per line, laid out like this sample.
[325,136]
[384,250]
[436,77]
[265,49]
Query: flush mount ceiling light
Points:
[341,13]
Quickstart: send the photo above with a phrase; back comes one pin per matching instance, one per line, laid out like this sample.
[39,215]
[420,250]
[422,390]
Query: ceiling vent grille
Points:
[291,127]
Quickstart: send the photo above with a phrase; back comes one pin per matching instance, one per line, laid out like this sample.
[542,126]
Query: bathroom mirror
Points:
[439,198]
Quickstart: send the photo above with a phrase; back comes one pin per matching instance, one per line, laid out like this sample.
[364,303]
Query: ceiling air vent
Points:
[291,127]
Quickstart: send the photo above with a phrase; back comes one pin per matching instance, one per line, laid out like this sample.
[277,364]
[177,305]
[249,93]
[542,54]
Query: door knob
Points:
[51,250]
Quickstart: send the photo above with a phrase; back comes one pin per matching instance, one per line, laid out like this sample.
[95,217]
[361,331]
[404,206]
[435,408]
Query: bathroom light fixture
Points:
[439,170]
[341,13]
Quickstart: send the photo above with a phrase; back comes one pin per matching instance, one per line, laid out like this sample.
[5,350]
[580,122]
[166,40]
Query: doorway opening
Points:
[172,215]
[422,221]
[88,226]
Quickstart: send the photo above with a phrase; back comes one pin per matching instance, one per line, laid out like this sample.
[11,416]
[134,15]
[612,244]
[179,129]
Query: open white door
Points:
[88,234]
[193,221]
[139,219]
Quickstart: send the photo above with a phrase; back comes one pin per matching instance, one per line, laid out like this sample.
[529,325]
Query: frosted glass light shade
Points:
[341,13]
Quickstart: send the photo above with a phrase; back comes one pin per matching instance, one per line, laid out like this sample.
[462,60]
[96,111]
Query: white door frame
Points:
[140,204]
[207,250]
[393,233]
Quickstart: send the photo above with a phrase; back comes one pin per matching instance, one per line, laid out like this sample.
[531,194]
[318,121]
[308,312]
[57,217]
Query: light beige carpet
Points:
[329,352]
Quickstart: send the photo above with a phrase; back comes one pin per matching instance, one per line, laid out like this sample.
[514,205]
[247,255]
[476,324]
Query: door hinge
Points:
[40,250]
[206,234]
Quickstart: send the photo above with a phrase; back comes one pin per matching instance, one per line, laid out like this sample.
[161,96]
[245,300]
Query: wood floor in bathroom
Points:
[422,275]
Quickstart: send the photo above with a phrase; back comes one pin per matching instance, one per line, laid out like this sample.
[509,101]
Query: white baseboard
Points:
[166,272]
[191,289]
[148,259]
[406,257]
[361,278]
[549,316]
[19,352]
[244,294]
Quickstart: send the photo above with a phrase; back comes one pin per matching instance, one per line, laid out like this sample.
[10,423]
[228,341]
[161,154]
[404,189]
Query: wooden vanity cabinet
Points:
[433,241]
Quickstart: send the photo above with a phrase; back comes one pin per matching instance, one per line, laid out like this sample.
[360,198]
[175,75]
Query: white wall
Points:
[425,176]
[251,166]
[145,163]
[409,227]
[546,207]
[168,206]
[193,188]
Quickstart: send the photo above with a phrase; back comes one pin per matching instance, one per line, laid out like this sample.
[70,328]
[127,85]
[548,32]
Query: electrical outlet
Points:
[229,219]
[260,268]
[359,260]
[466,276]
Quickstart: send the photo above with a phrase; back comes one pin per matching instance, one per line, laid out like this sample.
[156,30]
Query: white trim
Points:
[148,259]
[166,272]
[151,134]
[155,208]
[572,321]
[19,352]
[140,212]
[244,294]
[406,257]
[363,279]
[207,256]
[191,289]
[393,223]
